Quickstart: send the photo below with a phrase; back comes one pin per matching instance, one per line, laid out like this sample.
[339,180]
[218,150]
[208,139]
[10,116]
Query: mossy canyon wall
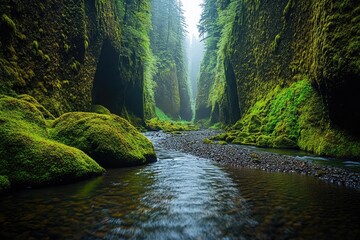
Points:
[287,73]
[69,55]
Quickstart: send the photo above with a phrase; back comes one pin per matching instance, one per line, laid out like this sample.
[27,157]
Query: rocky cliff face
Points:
[167,93]
[67,55]
[277,40]
[291,74]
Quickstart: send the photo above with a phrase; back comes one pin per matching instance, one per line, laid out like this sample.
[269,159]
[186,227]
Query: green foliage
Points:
[75,66]
[292,117]
[274,120]
[4,183]
[208,141]
[35,45]
[46,58]
[172,92]
[169,126]
[216,126]
[46,114]
[275,44]
[66,47]
[110,140]
[37,152]
[8,23]
[161,115]
[217,22]
[262,54]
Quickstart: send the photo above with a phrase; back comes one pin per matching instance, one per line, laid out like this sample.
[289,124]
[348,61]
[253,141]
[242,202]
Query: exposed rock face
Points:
[67,55]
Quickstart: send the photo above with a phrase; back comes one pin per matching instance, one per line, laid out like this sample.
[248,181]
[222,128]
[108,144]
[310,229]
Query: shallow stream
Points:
[184,197]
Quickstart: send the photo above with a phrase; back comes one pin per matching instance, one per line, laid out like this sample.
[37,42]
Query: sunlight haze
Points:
[192,12]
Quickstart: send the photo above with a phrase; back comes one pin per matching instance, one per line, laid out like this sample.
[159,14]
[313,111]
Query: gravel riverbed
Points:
[239,156]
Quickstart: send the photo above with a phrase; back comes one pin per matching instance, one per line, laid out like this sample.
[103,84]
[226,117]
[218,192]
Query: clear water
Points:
[184,197]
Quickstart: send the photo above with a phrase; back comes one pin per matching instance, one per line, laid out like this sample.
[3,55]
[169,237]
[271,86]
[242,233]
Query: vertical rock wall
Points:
[288,75]
[67,55]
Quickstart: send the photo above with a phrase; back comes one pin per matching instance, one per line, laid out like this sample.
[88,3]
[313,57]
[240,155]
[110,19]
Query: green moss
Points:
[75,66]
[100,109]
[161,115]
[275,43]
[319,136]
[28,156]
[286,11]
[216,126]
[40,53]
[110,140]
[66,47]
[34,102]
[220,137]
[4,183]
[273,120]
[156,124]
[46,58]
[208,141]
[35,45]
[222,143]
[8,23]
[292,117]
[86,42]
[284,141]
[254,156]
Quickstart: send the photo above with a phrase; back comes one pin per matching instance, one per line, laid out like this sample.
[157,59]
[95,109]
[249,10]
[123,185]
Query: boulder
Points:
[109,139]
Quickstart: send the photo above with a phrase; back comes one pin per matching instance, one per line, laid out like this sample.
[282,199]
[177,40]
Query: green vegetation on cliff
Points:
[165,123]
[76,54]
[292,117]
[172,93]
[284,78]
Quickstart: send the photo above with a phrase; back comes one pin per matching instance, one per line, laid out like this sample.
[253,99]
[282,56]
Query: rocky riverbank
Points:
[239,156]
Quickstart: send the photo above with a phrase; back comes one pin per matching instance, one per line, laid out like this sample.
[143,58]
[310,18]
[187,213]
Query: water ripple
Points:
[189,198]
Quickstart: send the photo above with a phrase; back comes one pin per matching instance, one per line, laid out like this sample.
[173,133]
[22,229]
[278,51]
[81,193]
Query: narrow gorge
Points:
[140,96]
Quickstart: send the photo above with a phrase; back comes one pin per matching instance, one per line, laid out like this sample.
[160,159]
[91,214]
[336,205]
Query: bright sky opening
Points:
[192,12]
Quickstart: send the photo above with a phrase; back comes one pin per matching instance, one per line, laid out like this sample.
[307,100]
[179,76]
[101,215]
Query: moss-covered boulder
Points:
[41,108]
[28,157]
[100,109]
[110,140]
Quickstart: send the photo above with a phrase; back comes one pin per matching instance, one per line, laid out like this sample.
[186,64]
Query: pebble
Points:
[238,156]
